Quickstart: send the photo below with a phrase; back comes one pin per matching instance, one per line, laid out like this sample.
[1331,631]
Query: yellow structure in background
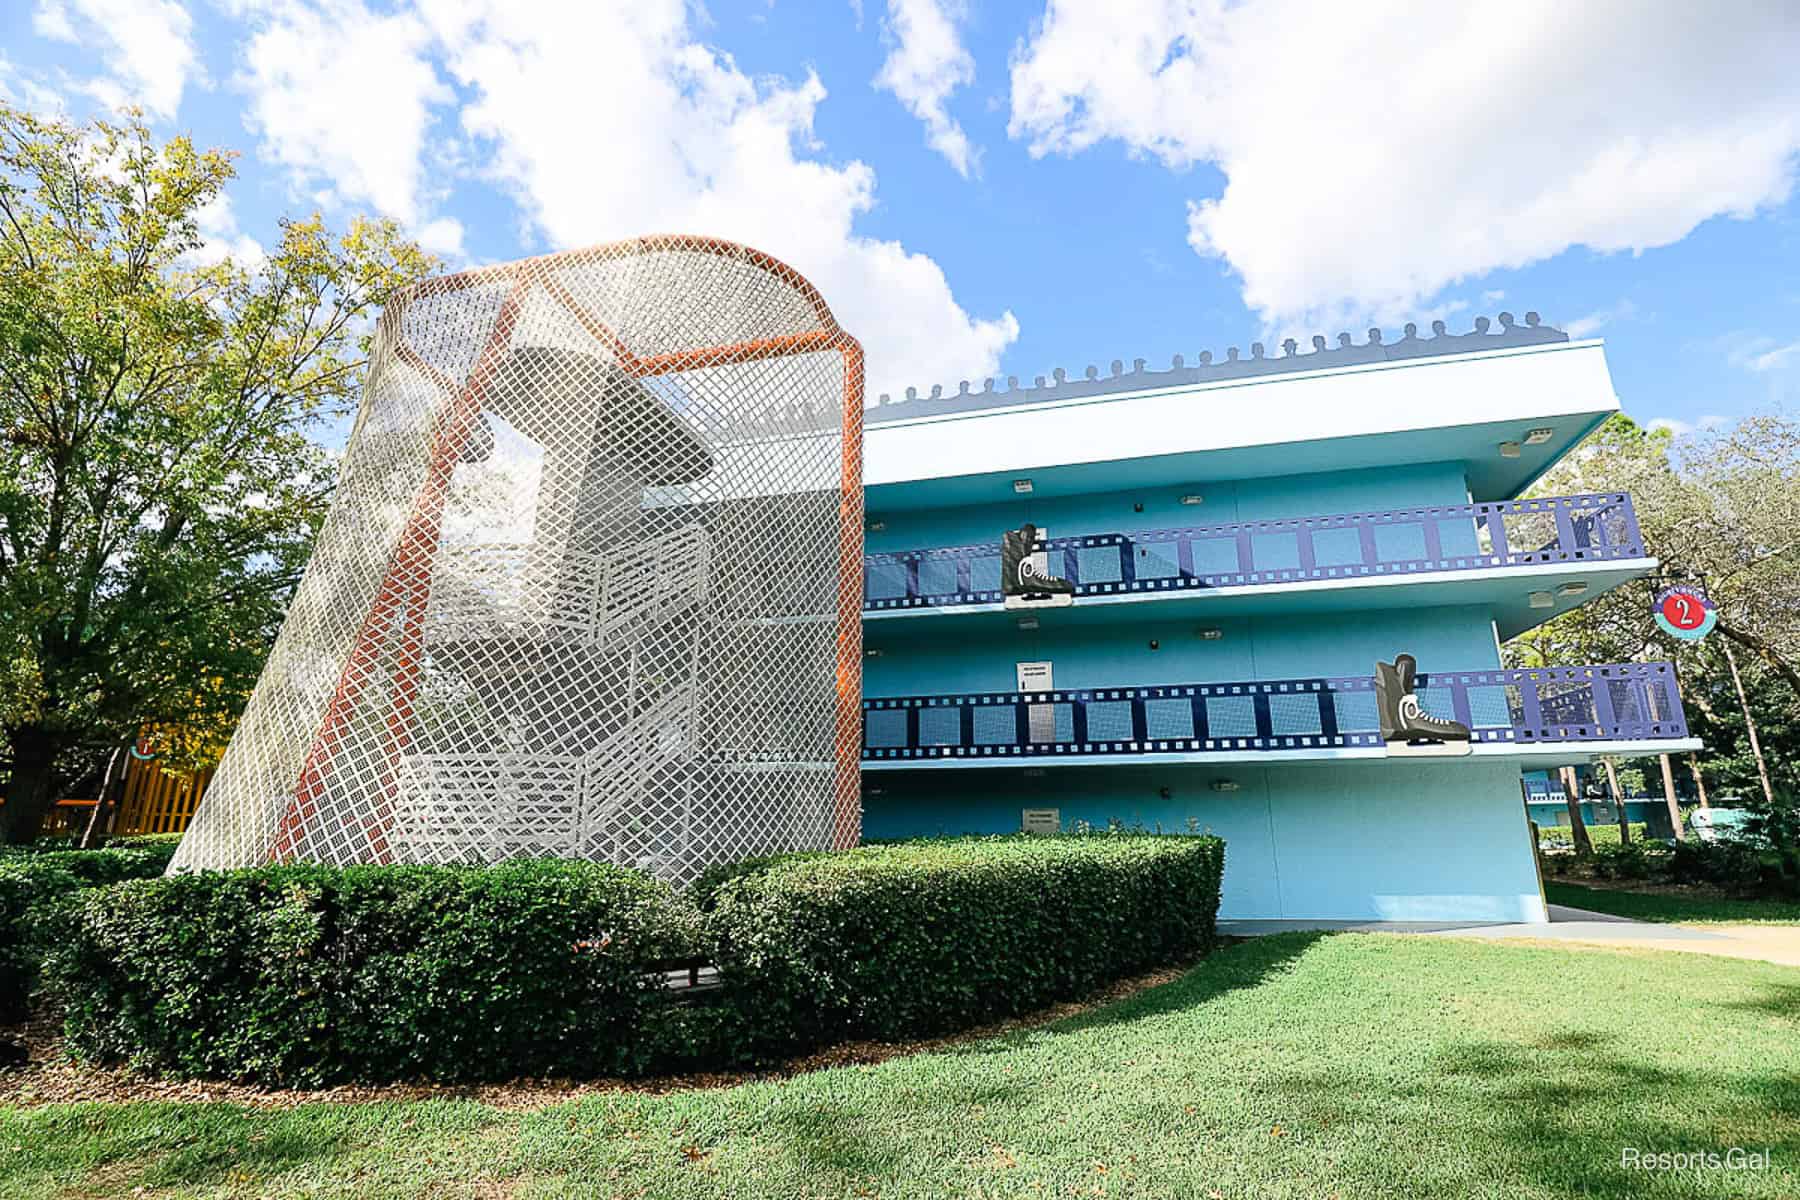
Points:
[156,799]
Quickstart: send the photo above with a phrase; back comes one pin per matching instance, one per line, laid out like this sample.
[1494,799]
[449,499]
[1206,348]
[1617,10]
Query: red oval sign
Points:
[1683,610]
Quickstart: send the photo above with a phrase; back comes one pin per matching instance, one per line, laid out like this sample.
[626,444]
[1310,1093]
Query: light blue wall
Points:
[1224,503]
[1344,841]
[1288,647]
[1348,841]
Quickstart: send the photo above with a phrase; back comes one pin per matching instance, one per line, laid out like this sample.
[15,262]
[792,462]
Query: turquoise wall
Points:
[1225,502]
[1401,841]
[1334,841]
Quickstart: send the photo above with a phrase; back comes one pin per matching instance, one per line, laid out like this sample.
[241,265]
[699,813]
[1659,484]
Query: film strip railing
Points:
[1620,702]
[1404,541]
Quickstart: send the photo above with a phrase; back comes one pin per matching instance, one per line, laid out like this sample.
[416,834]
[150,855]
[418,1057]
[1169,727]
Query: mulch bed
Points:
[50,1077]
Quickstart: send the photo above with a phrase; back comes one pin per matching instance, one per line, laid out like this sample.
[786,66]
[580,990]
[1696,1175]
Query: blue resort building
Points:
[1243,541]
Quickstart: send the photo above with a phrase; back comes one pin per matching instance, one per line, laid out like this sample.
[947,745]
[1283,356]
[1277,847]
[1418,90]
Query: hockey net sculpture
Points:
[590,585]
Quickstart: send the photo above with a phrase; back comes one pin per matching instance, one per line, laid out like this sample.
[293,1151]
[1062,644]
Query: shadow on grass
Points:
[1248,964]
[1561,1111]
[1781,1000]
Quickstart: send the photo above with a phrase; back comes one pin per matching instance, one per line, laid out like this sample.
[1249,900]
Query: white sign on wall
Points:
[1035,677]
[1040,820]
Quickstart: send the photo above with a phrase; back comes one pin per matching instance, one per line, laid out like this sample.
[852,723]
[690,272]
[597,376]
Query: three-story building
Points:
[1246,539]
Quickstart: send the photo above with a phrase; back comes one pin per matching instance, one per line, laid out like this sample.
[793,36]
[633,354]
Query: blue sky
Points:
[1005,188]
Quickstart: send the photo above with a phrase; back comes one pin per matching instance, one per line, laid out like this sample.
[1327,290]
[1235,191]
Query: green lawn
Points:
[1645,906]
[1299,1065]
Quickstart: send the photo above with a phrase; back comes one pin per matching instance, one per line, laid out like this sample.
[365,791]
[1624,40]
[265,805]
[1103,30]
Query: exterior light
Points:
[1542,600]
[1194,499]
[1022,486]
[1034,772]
[1209,634]
[875,526]
[1028,623]
[1573,588]
[871,652]
[1539,436]
[1509,449]
[1224,785]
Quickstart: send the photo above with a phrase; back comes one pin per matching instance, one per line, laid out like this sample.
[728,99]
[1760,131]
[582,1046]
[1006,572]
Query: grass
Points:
[1297,1065]
[1671,909]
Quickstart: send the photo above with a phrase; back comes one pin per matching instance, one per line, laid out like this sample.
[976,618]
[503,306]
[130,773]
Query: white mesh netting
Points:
[590,585]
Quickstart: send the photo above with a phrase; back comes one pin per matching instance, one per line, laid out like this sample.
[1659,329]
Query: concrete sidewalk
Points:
[1770,943]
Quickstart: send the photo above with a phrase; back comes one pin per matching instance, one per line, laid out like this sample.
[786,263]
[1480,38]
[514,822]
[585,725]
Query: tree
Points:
[161,416]
[1721,507]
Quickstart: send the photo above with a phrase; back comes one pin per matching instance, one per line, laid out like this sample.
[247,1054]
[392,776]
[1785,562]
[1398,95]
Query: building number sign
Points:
[1684,611]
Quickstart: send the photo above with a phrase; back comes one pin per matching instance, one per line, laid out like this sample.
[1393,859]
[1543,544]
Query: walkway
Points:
[1770,943]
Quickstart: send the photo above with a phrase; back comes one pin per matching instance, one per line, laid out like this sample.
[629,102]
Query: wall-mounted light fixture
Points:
[1574,587]
[1022,486]
[1224,785]
[1539,436]
[1164,793]
[875,526]
[1155,645]
[871,652]
[1194,498]
[1209,634]
[1034,772]
[1542,600]
[1509,449]
[1028,623]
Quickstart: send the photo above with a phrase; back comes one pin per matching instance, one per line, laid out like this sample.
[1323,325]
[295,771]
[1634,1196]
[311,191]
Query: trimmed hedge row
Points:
[312,975]
[899,941]
[308,975]
[36,884]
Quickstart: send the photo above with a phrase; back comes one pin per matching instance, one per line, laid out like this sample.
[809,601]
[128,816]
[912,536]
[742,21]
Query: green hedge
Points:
[37,884]
[904,940]
[1563,836]
[314,975]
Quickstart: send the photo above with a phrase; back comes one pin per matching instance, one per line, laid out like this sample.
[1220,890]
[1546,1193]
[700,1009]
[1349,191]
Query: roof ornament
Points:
[1234,365]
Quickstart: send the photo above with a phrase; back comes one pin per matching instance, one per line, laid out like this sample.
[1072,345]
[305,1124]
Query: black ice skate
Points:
[1405,726]
[1025,579]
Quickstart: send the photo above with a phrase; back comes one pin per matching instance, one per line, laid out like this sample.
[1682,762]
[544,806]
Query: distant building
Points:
[1245,540]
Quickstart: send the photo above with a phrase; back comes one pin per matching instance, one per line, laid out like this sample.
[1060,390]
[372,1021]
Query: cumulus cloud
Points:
[617,123]
[342,95]
[926,62]
[1600,318]
[147,47]
[221,238]
[1371,162]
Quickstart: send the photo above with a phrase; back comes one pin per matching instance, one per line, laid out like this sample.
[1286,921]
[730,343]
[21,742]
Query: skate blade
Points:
[1429,749]
[1055,600]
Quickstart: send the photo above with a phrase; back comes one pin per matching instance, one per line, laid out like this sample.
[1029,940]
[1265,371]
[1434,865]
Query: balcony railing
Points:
[1622,702]
[1406,541]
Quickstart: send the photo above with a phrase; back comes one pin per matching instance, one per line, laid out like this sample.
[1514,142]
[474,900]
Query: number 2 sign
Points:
[1683,611]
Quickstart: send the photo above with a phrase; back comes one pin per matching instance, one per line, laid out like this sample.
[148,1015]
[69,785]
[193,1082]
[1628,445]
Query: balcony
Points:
[1529,559]
[1557,714]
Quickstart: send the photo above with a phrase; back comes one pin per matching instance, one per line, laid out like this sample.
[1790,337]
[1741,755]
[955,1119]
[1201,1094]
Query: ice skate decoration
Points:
[1025,578]
[1406,728]
[590,586]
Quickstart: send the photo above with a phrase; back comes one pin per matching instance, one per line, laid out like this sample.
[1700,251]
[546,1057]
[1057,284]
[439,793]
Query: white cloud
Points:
[926,62]
[1756,352]
[1600,318]
[342,96]
[221,237]
[443,236]
[147,47]
[1372,162]
[617,122]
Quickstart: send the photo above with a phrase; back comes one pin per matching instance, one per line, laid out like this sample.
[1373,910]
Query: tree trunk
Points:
[30,784]
[1584,845]
[1699,781]
[1618,799]
[1668,774]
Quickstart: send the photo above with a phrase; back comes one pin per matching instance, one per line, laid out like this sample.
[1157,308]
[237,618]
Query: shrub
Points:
[1563,836]
[314,975]
[37,885]
[898,941]
[1635,861]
